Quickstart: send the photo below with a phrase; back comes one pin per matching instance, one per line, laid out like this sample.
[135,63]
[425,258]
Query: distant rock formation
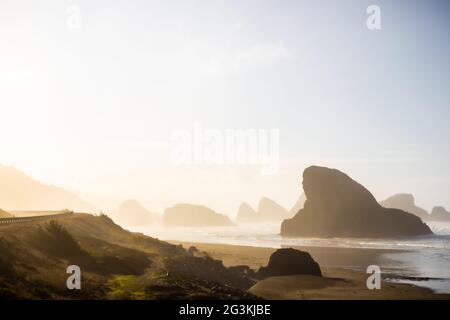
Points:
[4,214]
[268,211]
[298,205]
[338,206]
[132,213]
[190,215]
[246,214]
[439,214]
[405,202]
[19,192]
[286,262]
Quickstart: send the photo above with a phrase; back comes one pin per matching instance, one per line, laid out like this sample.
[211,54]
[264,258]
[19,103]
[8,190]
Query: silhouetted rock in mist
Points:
[439,214]
[286,262]
[190,215]
[20,192]
[246,214]
[338,206]
[298,205]
[405,202]
[270,210]
[133,213]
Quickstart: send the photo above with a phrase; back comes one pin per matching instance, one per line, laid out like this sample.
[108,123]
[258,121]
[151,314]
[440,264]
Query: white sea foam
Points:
[267,235]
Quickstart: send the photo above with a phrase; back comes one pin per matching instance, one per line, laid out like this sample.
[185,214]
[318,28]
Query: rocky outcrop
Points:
[268,211]
[338,206]
[246,214]
[190,215]
[132,213]
[405,202]
[286,262]
[211,270]
[439,214]
[4,214]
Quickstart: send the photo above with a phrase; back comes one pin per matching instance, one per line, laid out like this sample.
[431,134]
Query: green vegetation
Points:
[125,288]
[54,239]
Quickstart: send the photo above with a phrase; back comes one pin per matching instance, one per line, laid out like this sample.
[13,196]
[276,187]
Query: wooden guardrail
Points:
[14,220]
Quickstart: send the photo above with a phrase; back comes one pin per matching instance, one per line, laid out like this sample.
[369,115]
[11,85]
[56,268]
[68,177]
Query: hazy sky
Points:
[93,108]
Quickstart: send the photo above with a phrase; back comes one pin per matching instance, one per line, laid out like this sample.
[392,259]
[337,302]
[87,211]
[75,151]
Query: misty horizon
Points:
[94,96]
[14,175]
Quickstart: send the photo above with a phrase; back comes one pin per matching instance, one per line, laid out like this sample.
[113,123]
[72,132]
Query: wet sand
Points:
[343,269]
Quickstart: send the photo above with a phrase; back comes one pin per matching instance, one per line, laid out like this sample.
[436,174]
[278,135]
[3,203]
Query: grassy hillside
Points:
[115,264]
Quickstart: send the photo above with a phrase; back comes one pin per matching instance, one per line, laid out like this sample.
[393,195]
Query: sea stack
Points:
[246,214]
[133,213]
[338,206]
[405,202]
[439,214]
[190,215]
[298,205]
[269,210]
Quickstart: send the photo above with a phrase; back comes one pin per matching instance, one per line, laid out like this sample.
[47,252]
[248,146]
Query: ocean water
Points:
[422,261]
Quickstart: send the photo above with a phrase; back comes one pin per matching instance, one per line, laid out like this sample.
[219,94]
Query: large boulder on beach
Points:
[439,214]
[190,215]
[287,262]
[405,202]
[337,206]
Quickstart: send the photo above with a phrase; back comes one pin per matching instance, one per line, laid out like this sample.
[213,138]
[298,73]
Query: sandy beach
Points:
[343,269]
